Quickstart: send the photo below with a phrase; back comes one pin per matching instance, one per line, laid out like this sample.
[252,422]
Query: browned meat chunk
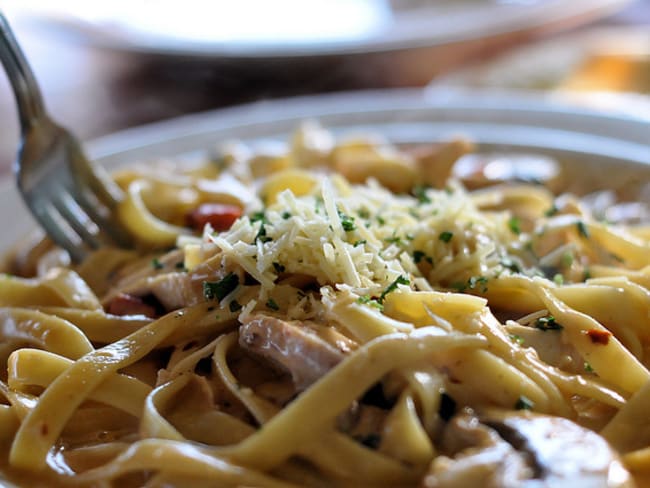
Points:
[306,350]
[523,449]
[125,304]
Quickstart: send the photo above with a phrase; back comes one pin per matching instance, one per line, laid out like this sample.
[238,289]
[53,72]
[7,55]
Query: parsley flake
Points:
[551,211]
[234,306]
[347,222]
[514,224]
[261,234]
[400,280]
[582,229]
[258,217]
[393,239]
[524,403]
[418,256]
[547,323]
[219,289]
[517,339]
[272,304]
[420,192]
[368,300]
[156,264]
[446,236]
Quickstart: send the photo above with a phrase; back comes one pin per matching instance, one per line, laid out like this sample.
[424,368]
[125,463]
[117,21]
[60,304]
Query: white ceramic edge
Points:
[521,18]
[529,116]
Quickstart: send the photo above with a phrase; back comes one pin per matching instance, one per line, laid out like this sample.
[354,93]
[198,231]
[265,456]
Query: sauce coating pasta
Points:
[343,313]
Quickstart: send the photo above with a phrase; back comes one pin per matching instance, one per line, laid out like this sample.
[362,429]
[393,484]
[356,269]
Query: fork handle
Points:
[28,96]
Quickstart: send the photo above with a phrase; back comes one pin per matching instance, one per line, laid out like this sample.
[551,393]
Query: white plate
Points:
[599,149]
[290,28]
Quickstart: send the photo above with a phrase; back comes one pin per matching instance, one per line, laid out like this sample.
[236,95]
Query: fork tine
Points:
[103,215]
[59,229]
[93,176]
[82,224]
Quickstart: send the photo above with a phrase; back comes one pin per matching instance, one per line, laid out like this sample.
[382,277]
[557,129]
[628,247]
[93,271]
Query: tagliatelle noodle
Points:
[337,310]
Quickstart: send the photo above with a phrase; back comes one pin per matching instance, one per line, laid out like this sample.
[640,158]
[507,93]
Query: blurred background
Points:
[105,66]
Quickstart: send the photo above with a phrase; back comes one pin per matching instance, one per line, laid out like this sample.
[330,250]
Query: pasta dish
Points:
[340,312]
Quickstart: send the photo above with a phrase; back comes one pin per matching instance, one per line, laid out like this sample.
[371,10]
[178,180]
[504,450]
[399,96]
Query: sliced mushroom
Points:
[304,349]
[523,449]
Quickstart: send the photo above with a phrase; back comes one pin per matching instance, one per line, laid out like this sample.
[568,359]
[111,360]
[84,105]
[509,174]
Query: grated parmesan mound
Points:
[363,237]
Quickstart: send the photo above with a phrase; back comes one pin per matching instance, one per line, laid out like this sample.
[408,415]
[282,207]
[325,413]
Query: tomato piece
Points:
[220,216]
[125,304]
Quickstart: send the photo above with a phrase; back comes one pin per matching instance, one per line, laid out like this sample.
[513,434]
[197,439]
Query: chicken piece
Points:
[522,449]
[173,289]
[305,349]
[359,160]
[435,161]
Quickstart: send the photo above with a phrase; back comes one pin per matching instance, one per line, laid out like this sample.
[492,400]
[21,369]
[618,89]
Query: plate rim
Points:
[629,128]
[552,14]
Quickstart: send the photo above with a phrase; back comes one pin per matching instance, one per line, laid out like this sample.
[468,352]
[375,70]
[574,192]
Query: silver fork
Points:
[70,196]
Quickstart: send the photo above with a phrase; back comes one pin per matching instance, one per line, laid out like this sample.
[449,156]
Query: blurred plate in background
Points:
[295,28]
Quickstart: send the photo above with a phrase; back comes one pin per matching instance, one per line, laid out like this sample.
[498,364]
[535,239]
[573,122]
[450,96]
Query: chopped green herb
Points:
[180,265]
[400,280]
[394,239]
[368,300]
[363,213]
[517,339]
[582,229]
[547,323]
[270,303]
[420,192]
[586,274]
[219,289]
[508,263]
[446,236]
[258,217]
[261,234]
[234,306]
[418,256]
[514,223]
[347,222]
[588,367]
[558,279]
[551,211]
[524,403]
[279,268]
[380,220]
[474,281]
[360,242]
[459,286]
[156,264]
[286,215]
[567,259]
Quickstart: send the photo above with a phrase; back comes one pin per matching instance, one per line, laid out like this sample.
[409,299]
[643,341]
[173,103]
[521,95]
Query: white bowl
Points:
[598,150]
